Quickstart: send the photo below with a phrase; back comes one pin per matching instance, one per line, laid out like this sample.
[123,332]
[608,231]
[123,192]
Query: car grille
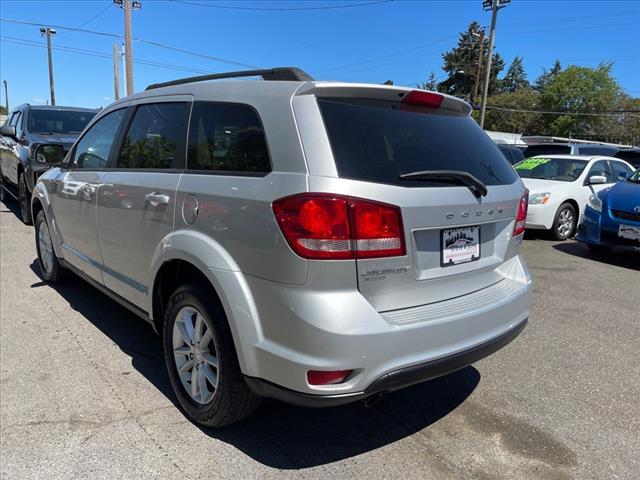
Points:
[626,215]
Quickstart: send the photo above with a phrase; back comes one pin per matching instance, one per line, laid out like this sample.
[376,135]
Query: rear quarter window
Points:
[378,141]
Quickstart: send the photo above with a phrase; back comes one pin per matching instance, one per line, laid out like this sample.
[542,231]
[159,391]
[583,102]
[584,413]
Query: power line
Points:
[97,54]
[149,42]
[593,114]
[90,20]
[282,9]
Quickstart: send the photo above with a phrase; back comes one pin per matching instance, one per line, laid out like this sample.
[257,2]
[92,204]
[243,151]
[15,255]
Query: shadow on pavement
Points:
[618,258]
[280,435]
[12,206]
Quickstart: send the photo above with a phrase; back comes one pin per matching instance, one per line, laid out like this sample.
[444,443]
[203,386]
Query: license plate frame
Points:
[461,254]
[630,232]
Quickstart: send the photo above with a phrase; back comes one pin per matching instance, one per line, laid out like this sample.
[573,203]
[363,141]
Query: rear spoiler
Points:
[411,96]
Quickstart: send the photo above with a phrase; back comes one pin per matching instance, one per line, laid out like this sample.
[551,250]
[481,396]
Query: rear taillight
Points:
[333,227]
[521,217]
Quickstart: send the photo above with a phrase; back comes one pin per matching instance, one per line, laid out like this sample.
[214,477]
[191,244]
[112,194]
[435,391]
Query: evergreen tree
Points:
[461,64]
[430,84]
[547,75]
[516,78]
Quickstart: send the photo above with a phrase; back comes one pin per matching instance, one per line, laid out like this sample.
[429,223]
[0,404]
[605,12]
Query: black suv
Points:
[27,127]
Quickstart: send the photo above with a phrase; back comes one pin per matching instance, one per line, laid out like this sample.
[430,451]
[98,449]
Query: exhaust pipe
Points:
[372,400]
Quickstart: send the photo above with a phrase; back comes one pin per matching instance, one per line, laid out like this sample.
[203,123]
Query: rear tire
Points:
[24,199]
[52,271]
[564,223]
[197,339]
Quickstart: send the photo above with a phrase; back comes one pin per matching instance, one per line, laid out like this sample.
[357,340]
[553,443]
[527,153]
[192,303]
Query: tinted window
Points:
[537,150]
[58,121]
[601,168]
[588,150]
[379,141]
[620,171]
[227,137]
[14,119]
[562,169]
[156,137]
[92,151]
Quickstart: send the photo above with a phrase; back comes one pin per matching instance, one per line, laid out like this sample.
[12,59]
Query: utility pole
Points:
[494,6]
[127,6]
[477,82]
[6,96]
[48,32]
[116,76]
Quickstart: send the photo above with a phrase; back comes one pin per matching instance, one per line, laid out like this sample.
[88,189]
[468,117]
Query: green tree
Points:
[580,90]
[547,75]
[3,110]
[515,78]
[461,64]
[430,84]
[503,118]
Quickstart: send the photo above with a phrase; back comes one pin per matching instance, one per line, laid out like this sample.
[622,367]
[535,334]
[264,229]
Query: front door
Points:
[136,198]
[75,195]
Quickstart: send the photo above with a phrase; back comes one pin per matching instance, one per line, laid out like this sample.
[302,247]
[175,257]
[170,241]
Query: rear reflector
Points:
[521,217]
[423,99]
[333,227]
[320,377]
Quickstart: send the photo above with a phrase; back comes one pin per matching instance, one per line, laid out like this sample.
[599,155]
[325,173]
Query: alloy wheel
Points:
[45,247]
[195,355]
[566,222]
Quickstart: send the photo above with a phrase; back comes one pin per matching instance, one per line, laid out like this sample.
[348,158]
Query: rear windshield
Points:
[562,169]
[58,121]
[535,150]
[378,141]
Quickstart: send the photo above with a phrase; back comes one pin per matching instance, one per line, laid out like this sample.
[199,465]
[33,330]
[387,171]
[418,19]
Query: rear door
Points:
[457,242]
[136,199]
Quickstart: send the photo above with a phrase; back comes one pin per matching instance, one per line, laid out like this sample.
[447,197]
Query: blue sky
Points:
[398,40]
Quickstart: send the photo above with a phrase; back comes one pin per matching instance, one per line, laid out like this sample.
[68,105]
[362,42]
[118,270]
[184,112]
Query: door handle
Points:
[156,199]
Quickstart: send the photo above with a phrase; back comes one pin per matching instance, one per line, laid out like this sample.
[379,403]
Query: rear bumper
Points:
[330,328]
[391,381]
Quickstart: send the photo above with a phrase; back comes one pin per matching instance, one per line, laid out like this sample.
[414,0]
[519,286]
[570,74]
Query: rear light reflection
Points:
[334,227]
[321,377]
[521,217]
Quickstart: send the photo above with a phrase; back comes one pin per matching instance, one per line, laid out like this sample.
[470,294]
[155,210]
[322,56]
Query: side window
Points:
[92,151]
[156,137]
[14,118]
[227,137]
[16,121]
[601,168]
[620,171]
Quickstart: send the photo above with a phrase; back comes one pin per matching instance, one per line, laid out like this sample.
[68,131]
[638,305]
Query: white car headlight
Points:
[595,202]
[539,198]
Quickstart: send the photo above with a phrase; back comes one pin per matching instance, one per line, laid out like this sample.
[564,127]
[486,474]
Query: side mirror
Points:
[597,180]
[49,154]
[8,131]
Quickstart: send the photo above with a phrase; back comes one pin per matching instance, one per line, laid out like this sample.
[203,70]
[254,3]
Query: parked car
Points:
[27,127]
[512,154]
[319,243]
[631,155]
[560,185]
[539,149]
[612,217]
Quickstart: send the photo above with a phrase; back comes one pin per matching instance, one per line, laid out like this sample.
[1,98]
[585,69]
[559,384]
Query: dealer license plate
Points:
[629,231]
[460,245]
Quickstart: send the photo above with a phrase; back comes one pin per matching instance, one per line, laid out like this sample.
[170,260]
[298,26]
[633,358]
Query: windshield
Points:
[377,141]
[561,169]
[635,177]
[58,121]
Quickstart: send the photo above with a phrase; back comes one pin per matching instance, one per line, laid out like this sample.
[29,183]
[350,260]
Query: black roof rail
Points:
[280,74]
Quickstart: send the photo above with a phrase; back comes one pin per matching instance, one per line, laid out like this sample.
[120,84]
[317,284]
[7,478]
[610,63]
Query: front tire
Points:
[25,201]
[3,194]
[564,223]
[52,271]
[201,360]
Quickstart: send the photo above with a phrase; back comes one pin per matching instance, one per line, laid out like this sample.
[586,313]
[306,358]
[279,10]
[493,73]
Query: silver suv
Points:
[314,242]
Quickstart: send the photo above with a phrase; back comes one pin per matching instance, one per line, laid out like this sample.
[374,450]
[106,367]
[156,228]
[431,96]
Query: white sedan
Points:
[560,187]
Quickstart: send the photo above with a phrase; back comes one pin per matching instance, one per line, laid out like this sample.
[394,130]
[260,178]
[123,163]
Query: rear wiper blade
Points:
[478,188]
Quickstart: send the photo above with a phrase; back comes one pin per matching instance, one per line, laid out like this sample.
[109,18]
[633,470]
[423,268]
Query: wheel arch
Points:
[190,257]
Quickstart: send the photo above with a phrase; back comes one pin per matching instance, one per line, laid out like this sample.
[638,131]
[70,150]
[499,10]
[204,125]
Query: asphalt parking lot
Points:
[84,394]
